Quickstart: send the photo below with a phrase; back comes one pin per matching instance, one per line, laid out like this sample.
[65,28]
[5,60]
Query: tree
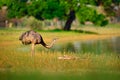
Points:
[47,9]
[68,10]
[4,2]
[84,10]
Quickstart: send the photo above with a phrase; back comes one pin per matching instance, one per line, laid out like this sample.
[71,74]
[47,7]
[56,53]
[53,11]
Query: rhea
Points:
[33,38]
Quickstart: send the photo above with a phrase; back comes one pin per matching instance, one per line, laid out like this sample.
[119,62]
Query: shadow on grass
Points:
[54,30]
[86,32]
[78,31]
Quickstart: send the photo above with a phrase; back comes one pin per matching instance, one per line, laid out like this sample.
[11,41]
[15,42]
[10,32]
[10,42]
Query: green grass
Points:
[16,62]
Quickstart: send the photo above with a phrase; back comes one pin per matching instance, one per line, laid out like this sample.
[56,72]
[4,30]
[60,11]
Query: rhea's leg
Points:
[33,50]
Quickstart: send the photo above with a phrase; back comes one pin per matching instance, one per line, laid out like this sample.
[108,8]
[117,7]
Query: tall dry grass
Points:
[16,58]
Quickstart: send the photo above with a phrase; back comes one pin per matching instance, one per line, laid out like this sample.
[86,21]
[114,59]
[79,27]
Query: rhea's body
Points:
[32,37]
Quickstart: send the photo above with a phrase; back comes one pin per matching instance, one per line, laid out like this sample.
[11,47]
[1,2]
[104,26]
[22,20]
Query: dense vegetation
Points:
[16,62]
[67,10]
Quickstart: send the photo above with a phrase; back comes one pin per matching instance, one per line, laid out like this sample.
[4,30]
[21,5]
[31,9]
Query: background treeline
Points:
[61,12]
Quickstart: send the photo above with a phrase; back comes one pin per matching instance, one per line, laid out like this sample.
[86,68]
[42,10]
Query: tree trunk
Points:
[69,21]
[99,2]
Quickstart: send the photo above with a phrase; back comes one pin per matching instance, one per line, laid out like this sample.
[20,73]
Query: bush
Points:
[100,20]
[32,23]
[92,15]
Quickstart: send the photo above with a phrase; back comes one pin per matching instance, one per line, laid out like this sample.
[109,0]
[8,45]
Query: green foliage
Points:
[82,16]
[4,2]
[100,20]
[35,9]
[53,9]
[16,9]
[85,11]
[116,1]
[1,3]
[89,14]
[45,9]
[49,9]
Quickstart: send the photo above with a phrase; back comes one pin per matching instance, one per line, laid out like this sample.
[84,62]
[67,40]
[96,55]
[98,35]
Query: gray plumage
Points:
[32,37]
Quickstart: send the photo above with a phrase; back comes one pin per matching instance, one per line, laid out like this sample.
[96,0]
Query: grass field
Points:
[16,62]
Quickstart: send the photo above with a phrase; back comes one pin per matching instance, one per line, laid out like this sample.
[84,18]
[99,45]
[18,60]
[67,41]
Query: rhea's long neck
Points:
[51,45]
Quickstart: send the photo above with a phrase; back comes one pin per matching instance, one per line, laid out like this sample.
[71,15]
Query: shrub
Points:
[32,23]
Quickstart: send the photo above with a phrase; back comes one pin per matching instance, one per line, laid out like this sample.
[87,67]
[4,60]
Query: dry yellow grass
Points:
[16,62]
[15,58]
